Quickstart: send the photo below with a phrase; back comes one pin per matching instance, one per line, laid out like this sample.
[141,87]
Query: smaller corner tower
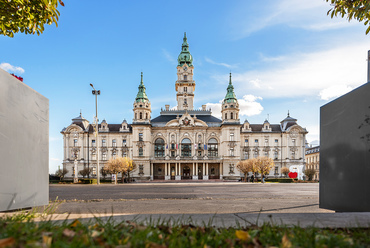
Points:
[185,85]
[230,105]
[142,108]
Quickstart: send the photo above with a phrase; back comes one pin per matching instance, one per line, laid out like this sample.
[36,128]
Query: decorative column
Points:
[206,177]
[151,171]
[167,171]
[195,176]
[178,171]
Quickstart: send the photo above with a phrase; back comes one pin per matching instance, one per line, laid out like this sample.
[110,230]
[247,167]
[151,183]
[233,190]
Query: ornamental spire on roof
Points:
[141,95]
[230,95]
[185,56]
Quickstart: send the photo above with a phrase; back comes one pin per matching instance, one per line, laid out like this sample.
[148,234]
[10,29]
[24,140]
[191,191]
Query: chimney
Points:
[167,107]
[368,66]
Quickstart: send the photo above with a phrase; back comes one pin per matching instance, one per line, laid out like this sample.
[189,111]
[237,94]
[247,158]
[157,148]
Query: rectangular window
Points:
[276,154]
[75,142]
[124,142]
[232,152]
[103,143]
[266,154]
[231,169]
[276,170]
[256,142]
[172,154]
[266,141]
[141,137]
[141,169]
[172,146]
[246,155]
[114,143]
[246,141]
[93,143]
[185,89]
[94,171]
[293,142]
[104,156]
[141,152]
[276,141]
[231,137]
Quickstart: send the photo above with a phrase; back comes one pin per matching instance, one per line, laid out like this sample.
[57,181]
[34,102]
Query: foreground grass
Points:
[22,231]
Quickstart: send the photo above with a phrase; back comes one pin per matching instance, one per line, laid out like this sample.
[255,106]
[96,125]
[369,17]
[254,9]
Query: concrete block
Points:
[345,152]
[24,145]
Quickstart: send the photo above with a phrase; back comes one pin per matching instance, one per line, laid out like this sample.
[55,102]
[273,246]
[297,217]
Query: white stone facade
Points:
[184,143]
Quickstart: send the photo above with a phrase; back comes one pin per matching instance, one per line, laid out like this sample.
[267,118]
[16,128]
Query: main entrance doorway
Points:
[186,172]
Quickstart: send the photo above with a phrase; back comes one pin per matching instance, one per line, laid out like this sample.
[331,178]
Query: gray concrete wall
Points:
[345,152]
[24,145]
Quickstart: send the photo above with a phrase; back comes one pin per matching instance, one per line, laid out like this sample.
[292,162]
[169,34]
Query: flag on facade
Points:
[205,147]
[167,146]
[177,147]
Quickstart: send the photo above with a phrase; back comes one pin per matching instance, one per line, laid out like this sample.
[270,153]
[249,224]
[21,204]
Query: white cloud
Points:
[168,56]
[216,63]
[307,74]
[334,91]
[10,68]
[304,14]
[55,159]
[248,106]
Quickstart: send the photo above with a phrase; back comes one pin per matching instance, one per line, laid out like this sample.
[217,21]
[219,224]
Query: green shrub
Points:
[88,181]
[280,180]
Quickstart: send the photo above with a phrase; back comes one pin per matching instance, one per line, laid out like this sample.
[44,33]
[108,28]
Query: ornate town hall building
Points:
[184,143]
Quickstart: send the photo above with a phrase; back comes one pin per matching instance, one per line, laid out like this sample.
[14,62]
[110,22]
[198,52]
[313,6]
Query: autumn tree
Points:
[85,172]
[131,166]
[119,165]
[352,9]
[244,167]
[285,171]
[263,165]
[61,173]
[28,16]
[309,173]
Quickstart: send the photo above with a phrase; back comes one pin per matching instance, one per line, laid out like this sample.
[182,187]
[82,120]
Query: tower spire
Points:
[230,95]
[185,56]
[141,95]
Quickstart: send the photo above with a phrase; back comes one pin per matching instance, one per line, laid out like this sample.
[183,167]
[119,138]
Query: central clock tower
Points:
[185,85]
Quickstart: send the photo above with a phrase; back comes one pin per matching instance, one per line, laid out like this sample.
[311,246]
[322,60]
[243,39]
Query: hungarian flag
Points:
[177,147]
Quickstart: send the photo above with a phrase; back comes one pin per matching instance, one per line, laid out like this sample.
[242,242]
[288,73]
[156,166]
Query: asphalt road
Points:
[187,198]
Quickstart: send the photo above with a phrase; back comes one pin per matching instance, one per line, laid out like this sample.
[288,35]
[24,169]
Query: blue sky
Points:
[283,55]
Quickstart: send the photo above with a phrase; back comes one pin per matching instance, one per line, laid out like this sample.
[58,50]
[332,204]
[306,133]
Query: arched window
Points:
[141,152]
[185,77]
[231,115]
[135,116]
[159,148]
[146,116]
[212,148]
[186,147]
[225,116]
[141,115]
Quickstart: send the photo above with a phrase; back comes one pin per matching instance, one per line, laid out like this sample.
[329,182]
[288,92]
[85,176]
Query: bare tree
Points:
[85,172]
[285,171]
[61,173]
[309,173]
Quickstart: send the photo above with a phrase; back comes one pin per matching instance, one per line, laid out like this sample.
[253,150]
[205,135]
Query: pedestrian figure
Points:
[252,178]
[263,178]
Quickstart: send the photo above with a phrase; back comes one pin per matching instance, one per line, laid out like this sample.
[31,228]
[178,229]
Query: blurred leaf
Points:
[7,242]
[285,242]
[69,233]
[242,235]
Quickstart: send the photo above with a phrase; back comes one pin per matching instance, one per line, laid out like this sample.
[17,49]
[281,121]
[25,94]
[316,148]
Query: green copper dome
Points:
[185,56]
[141,95]
[230,95]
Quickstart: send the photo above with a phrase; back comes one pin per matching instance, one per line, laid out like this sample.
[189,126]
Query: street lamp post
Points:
[96,93]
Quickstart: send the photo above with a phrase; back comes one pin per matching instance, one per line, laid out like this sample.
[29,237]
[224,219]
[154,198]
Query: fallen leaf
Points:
[242,235]
[69,233]
[46,240]
[75,223]
[7,242]
[285,242]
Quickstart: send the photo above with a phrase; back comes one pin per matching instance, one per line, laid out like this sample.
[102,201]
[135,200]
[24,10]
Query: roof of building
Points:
[185,56]
[314,149]
[230,95]
[112,128]
[163,119]
[259,127]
